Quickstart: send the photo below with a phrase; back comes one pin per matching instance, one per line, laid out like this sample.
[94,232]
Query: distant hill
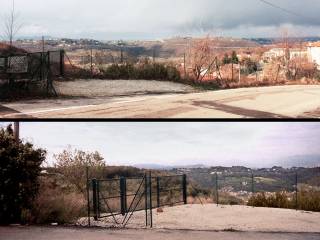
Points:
[166,167]
[300,161]
[268,41]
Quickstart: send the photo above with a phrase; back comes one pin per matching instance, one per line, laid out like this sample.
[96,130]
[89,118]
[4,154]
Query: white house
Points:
[275,53]
[314,53]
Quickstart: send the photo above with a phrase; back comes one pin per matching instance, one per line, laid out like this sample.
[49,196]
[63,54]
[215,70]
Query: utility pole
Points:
[16,131]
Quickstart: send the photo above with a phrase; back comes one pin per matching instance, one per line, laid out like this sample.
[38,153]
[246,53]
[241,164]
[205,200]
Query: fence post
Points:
[146,197]
[150,200]
[48,71]
[297,207]
[184,188]
[88,195]
[217,189]
[123,195]
[62,62]
[94,198]
[6,67]
[252,183]
[158,192]
[98,198]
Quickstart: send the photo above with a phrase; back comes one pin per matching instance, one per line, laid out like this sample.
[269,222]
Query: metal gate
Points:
[118,199]
[39,68]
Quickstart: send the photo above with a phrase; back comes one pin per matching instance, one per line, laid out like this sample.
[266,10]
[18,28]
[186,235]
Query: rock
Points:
[160,210]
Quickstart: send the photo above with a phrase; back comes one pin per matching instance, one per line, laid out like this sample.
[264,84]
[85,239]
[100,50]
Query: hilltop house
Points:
[275,53]
[314,53]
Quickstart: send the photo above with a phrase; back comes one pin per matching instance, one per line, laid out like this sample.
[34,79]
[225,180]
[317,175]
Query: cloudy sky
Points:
[249,144]
[151,19]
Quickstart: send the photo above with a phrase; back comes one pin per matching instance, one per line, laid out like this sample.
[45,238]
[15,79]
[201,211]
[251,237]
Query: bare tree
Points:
[12,24]
[202,58]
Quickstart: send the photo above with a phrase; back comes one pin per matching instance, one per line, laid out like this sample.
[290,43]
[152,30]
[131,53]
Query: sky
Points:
[226,143]
[154,19]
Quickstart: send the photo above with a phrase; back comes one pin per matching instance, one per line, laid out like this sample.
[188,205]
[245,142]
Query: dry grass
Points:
[53,204]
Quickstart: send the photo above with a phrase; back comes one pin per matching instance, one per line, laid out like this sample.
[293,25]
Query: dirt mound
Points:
[5,49]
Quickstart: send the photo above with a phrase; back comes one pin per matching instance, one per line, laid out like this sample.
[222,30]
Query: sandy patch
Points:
[109,88]
[210,217]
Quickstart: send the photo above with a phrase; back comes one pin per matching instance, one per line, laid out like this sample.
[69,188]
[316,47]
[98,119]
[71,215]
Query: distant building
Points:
[275,53]
[314,53]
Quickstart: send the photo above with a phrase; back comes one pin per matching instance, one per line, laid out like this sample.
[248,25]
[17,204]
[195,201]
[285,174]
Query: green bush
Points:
[20,167]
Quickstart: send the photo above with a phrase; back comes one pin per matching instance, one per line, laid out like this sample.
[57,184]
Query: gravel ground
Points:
[221,218]
[108,88]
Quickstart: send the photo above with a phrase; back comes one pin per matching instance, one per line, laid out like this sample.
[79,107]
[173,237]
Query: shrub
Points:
[308,200]
[53,204]
[146,71]
[20,167]
[72,165]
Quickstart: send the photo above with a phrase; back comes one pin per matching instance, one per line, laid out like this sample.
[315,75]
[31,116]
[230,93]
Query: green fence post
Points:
[158,192]
[184,188]
[94,198]
[98,198]
[150,200]
[297,206]
[88,195]
[252,183]
[146,197]
[62,62]
[123,195]
[217,189]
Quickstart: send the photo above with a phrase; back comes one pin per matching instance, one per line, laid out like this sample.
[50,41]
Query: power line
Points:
[284,9]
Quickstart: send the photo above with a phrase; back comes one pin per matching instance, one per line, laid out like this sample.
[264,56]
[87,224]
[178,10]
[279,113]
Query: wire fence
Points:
[30,73]
[113,198]
[238,187]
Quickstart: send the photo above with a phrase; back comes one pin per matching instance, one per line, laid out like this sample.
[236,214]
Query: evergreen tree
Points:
[20,167]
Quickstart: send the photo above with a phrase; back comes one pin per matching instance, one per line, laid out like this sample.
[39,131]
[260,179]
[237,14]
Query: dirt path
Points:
[268,102]
[62,233]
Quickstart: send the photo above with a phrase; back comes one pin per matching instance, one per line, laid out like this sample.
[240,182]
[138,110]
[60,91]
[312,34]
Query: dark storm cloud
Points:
[159,18]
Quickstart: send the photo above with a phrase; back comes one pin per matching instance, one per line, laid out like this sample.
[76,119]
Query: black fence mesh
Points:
[120,196]
[30,74]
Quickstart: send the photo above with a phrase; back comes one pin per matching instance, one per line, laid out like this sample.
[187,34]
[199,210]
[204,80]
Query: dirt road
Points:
[58,233]
[267,102]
